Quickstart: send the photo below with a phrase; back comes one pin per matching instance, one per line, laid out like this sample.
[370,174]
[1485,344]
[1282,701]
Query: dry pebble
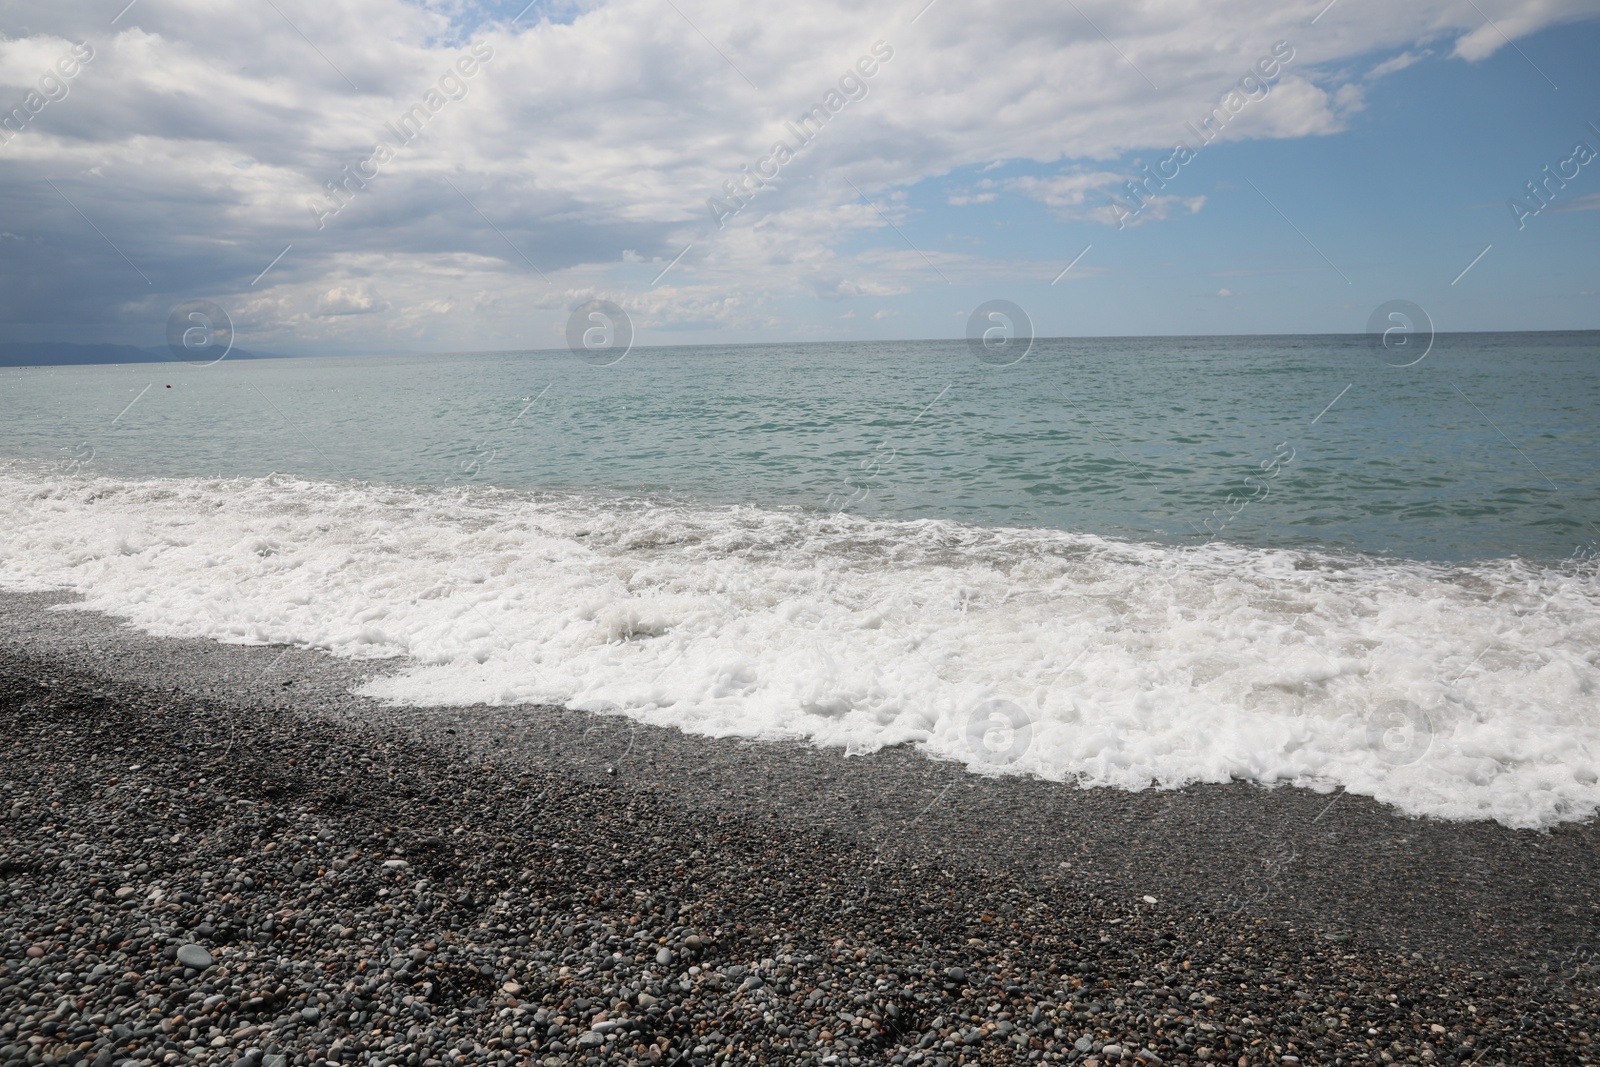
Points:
[180,884]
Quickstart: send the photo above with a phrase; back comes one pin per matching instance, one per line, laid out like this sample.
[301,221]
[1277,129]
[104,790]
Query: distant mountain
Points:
[61,354]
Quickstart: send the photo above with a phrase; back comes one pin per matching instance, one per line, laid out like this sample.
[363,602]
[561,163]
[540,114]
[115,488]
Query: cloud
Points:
[359,298]
[833,288]
[1158,208]
[1507,22]
[581,153]
[1088,195]
[1398,63]
[1073,193]
[1586,202]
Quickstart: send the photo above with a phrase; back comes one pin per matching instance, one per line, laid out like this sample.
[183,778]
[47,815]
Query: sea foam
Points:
[1465,692]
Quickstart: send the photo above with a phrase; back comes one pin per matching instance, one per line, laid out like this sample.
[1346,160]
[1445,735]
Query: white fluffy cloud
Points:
[580,154]
[360,298]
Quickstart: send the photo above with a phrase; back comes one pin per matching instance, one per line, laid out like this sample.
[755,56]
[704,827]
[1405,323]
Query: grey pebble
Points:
[474,967]
[194,956]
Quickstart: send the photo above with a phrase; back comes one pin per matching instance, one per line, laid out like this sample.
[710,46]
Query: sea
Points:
[1130,563]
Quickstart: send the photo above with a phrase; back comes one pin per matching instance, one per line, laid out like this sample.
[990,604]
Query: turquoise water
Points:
[1487,448]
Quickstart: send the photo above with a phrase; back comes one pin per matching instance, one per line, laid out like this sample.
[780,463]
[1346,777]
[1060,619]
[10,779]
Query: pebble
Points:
[565,953]
[194,956]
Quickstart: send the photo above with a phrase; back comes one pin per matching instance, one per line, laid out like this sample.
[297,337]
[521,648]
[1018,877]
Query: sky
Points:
[498,166]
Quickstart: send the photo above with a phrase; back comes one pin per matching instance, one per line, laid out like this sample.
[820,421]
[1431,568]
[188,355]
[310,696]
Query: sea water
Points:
[1127,562]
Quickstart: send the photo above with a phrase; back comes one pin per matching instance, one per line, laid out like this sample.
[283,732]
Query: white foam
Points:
[1462,692]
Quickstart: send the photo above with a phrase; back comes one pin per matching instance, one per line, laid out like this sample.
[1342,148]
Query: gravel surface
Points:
[201,863]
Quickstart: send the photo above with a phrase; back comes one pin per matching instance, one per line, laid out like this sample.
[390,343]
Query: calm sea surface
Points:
[1487,448]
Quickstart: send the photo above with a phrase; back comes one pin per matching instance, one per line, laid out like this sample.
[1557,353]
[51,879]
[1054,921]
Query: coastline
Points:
[925,895]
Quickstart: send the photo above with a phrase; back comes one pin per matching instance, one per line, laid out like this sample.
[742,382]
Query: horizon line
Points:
[251,353]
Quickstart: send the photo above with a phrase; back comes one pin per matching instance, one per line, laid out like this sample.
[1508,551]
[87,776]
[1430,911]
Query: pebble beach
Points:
[215,854]
[971,586]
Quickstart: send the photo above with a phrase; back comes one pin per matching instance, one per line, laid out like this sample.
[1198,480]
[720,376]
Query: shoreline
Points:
[792,867]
